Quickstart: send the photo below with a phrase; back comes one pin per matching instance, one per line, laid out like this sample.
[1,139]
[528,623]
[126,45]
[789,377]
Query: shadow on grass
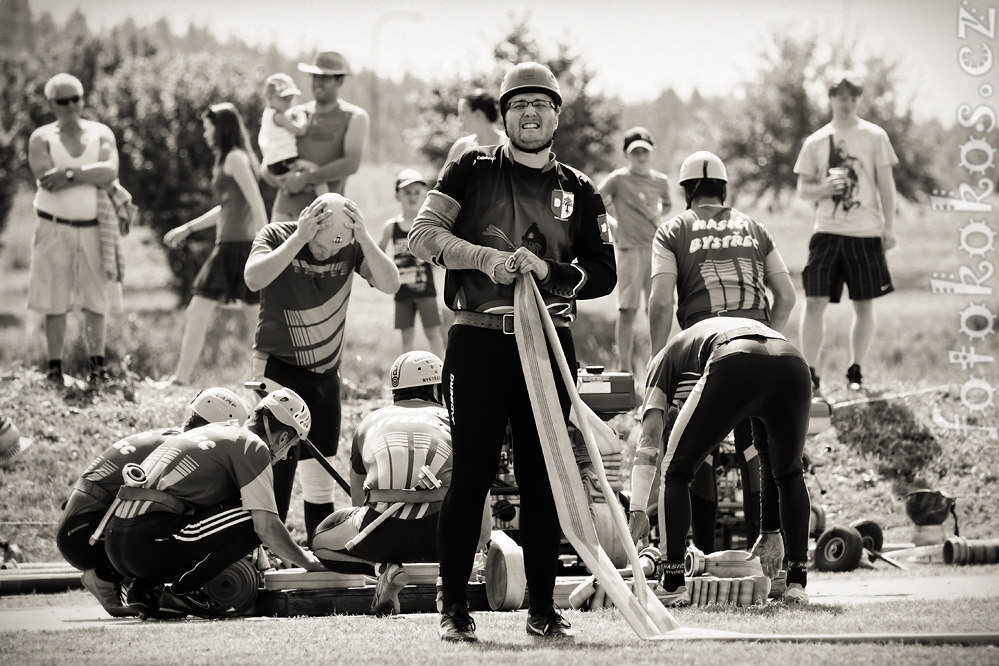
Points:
[892,434]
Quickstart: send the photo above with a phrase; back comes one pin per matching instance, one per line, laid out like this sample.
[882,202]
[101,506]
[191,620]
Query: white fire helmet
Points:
[288,407]
[702,164]
[219,404]
[414,369]
[337,234]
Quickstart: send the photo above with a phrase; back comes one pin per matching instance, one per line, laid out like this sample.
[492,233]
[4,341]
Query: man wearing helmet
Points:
[391,448]
[718,372]
[204,499]
[495,213]
[96,488]
[304,272]
[720,262]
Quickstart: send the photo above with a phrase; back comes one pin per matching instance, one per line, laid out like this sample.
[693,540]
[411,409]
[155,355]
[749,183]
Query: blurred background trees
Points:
[151,86]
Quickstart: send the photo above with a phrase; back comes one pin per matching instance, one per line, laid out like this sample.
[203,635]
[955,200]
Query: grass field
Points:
[872,456]
[603,637]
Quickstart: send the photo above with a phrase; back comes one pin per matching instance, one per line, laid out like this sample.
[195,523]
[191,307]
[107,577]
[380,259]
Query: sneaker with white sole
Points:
[106,592]
[192,603]
[795,594]
[550,625]
[457,626]
[391,581]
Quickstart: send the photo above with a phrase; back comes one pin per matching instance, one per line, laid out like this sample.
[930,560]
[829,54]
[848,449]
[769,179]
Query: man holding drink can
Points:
[846,169]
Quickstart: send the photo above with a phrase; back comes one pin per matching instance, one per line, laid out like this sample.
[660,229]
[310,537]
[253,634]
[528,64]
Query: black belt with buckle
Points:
[756,314]
[73,223]
[495,322]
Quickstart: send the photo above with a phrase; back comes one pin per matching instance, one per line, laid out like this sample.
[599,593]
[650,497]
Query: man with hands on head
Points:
[498,212]
[717,373]
[304,271]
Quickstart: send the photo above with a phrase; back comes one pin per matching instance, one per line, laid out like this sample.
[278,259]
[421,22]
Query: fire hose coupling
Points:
[427,479]
[133,475]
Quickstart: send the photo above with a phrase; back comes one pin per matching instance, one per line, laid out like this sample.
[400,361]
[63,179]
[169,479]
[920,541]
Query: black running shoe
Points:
[855,379]
[550,625]
[144,601]
[192,603]
[457,626]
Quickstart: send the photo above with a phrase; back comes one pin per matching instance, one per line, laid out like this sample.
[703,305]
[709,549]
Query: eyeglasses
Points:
[66,101]
[536,104]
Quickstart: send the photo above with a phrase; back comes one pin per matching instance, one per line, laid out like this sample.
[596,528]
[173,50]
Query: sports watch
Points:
[70,174]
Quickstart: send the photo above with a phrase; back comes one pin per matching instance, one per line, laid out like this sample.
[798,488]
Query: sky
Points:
[636,47]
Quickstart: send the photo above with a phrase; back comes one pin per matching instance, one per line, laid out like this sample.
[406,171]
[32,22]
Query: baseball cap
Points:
[638,137]
[408,177]
[845,81]
[281,85]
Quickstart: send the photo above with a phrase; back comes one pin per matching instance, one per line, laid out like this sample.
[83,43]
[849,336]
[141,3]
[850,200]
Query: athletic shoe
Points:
[54,376]
[855,379]
[678,597]
[457,626]
[106,592]
[795,594]
[192,603]
[144,601]
[390,582]
[550,625]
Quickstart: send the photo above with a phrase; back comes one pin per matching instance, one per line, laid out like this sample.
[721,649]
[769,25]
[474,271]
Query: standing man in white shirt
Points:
[72,159]
[846,169]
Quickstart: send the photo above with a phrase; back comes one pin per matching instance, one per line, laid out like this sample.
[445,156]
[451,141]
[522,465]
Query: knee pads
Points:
[317,484]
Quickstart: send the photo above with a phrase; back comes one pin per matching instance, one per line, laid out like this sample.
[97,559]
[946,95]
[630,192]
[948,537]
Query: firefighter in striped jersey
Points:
[391,447]
[720,262]
[304,271]
[96,488]
[206,500]
[717,373]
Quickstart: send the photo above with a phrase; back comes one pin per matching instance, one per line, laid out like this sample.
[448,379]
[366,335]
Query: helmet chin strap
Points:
[267,431]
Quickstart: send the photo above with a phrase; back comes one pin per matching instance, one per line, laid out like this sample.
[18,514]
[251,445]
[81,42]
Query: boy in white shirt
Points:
[279,132]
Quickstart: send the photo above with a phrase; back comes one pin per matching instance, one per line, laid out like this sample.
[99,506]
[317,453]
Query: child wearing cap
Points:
[279,132]
[417,292]
[636,198]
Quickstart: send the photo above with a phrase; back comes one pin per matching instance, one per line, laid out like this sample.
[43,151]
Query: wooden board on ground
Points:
[357,600]
[300,579]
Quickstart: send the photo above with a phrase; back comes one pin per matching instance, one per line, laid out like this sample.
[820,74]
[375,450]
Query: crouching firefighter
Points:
[78,536]
[201,501]
[400,469]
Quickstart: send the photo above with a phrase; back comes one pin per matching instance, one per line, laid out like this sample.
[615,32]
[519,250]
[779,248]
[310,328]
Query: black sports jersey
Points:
[416,278]
[556,212]
[678,367]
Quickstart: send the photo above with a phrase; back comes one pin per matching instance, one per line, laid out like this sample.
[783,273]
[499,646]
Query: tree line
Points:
[151,86]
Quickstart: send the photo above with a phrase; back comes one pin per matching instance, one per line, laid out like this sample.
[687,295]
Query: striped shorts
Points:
[835,260]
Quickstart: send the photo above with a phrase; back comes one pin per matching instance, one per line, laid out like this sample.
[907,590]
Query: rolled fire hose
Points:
[644,612]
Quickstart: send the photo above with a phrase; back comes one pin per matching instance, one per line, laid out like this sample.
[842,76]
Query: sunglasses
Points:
[66,101]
